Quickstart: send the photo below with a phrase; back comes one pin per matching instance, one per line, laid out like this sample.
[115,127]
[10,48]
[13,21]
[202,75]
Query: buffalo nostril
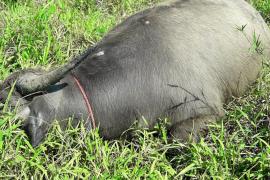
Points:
[26,129]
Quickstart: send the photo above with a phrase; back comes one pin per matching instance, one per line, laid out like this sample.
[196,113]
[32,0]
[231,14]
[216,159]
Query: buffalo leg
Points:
[190,129]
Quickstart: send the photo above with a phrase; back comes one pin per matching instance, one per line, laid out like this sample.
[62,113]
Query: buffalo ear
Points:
[36,129]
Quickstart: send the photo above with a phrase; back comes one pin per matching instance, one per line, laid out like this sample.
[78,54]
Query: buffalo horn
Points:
[28,85]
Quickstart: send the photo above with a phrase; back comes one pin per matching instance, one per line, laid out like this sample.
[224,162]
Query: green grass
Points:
[264,7]
[49,33]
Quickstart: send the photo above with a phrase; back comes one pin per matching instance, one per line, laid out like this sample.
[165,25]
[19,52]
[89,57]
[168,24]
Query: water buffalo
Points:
[181,59]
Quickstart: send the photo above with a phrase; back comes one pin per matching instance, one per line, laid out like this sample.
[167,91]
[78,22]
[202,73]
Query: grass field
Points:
[46,33]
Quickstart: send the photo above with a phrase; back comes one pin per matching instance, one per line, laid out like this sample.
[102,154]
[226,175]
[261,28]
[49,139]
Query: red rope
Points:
[86,100]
